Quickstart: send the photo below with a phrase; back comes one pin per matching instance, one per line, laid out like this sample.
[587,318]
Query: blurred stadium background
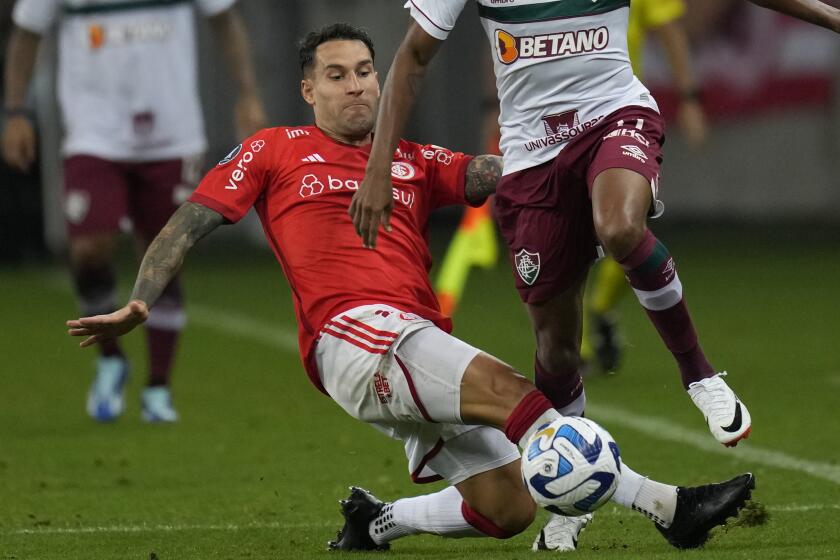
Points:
[753,218]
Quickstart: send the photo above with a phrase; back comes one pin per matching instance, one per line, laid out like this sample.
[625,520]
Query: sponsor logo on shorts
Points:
[635,152]
[382,388]
[510,48]
[401,170]
[527,265]
[313,185]
[560,128]
[629,133]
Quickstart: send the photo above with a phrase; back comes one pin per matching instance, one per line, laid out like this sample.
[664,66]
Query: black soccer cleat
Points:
[358,511]
[701,508]
[606,342]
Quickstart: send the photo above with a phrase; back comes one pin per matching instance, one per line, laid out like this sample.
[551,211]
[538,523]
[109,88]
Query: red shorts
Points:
[545,212]
[103,196]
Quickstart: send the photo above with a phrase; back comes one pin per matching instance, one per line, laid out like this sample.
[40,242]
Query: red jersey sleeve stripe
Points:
[368,328]
[347,329]
[213,204]
[355,342]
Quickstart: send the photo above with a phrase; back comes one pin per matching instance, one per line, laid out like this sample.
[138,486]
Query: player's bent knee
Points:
[507,520]
[497,502]
[490,390]
[91,251]
[619,235]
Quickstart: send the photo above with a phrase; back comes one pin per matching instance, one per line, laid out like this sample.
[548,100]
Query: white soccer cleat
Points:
[157,405]
[560,534]
[105,400]
[728,418]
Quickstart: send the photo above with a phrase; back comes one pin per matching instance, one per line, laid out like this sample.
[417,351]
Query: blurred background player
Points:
[133,144]
[601,342]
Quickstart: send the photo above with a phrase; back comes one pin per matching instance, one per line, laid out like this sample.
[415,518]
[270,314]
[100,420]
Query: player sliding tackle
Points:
[372,336]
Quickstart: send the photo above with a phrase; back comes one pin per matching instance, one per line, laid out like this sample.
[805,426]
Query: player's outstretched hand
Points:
[371,206]
[112,325]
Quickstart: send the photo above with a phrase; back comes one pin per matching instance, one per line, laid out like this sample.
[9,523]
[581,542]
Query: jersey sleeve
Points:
[660,12]
[446,172]
[436,17]
[233,186]
[36,16]
[210,8]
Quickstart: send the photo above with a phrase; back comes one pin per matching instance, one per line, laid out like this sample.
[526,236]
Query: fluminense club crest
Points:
[527,265]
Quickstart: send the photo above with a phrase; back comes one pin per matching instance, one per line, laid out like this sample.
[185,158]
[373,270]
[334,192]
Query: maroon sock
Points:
[163,327]
[561,388]
[162,345]
[653,276]
[96,289]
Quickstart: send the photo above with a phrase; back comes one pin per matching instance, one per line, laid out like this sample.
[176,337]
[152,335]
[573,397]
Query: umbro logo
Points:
[314,158]
[634,152]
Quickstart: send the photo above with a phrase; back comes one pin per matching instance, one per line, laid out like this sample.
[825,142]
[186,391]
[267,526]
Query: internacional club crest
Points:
[527,265]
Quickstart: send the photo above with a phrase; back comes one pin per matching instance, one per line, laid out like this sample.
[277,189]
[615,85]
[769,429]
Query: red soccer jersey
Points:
[301,181]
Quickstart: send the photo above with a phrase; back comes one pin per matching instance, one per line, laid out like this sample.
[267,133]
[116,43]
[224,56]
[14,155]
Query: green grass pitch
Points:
[259,460]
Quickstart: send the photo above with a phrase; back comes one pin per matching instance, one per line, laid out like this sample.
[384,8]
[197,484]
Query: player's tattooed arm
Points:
[166,253]
[187,225]
[483,174]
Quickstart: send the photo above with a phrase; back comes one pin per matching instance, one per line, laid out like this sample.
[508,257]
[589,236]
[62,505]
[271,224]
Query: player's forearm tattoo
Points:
[483,174]
[165,255]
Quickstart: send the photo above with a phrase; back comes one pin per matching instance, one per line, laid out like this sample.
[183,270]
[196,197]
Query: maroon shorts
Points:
[545,212]
[103,196]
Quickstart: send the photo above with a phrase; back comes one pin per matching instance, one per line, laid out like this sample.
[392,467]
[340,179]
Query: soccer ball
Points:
[571,466]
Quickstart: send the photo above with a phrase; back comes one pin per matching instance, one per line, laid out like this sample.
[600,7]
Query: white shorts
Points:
[402,374]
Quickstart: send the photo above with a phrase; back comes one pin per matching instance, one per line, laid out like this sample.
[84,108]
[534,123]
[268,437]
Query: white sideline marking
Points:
[665,430]
[790,508]
[162,528]
[243,327]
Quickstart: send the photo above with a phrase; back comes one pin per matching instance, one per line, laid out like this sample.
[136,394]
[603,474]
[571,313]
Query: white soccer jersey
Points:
[561,66]
[127,77]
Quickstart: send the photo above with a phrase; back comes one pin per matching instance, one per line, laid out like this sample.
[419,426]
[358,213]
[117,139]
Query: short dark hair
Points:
[333,32]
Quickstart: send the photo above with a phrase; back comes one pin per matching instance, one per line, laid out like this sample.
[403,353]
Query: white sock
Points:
[653,499]
[576,407]
[437,514]
[545,418]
